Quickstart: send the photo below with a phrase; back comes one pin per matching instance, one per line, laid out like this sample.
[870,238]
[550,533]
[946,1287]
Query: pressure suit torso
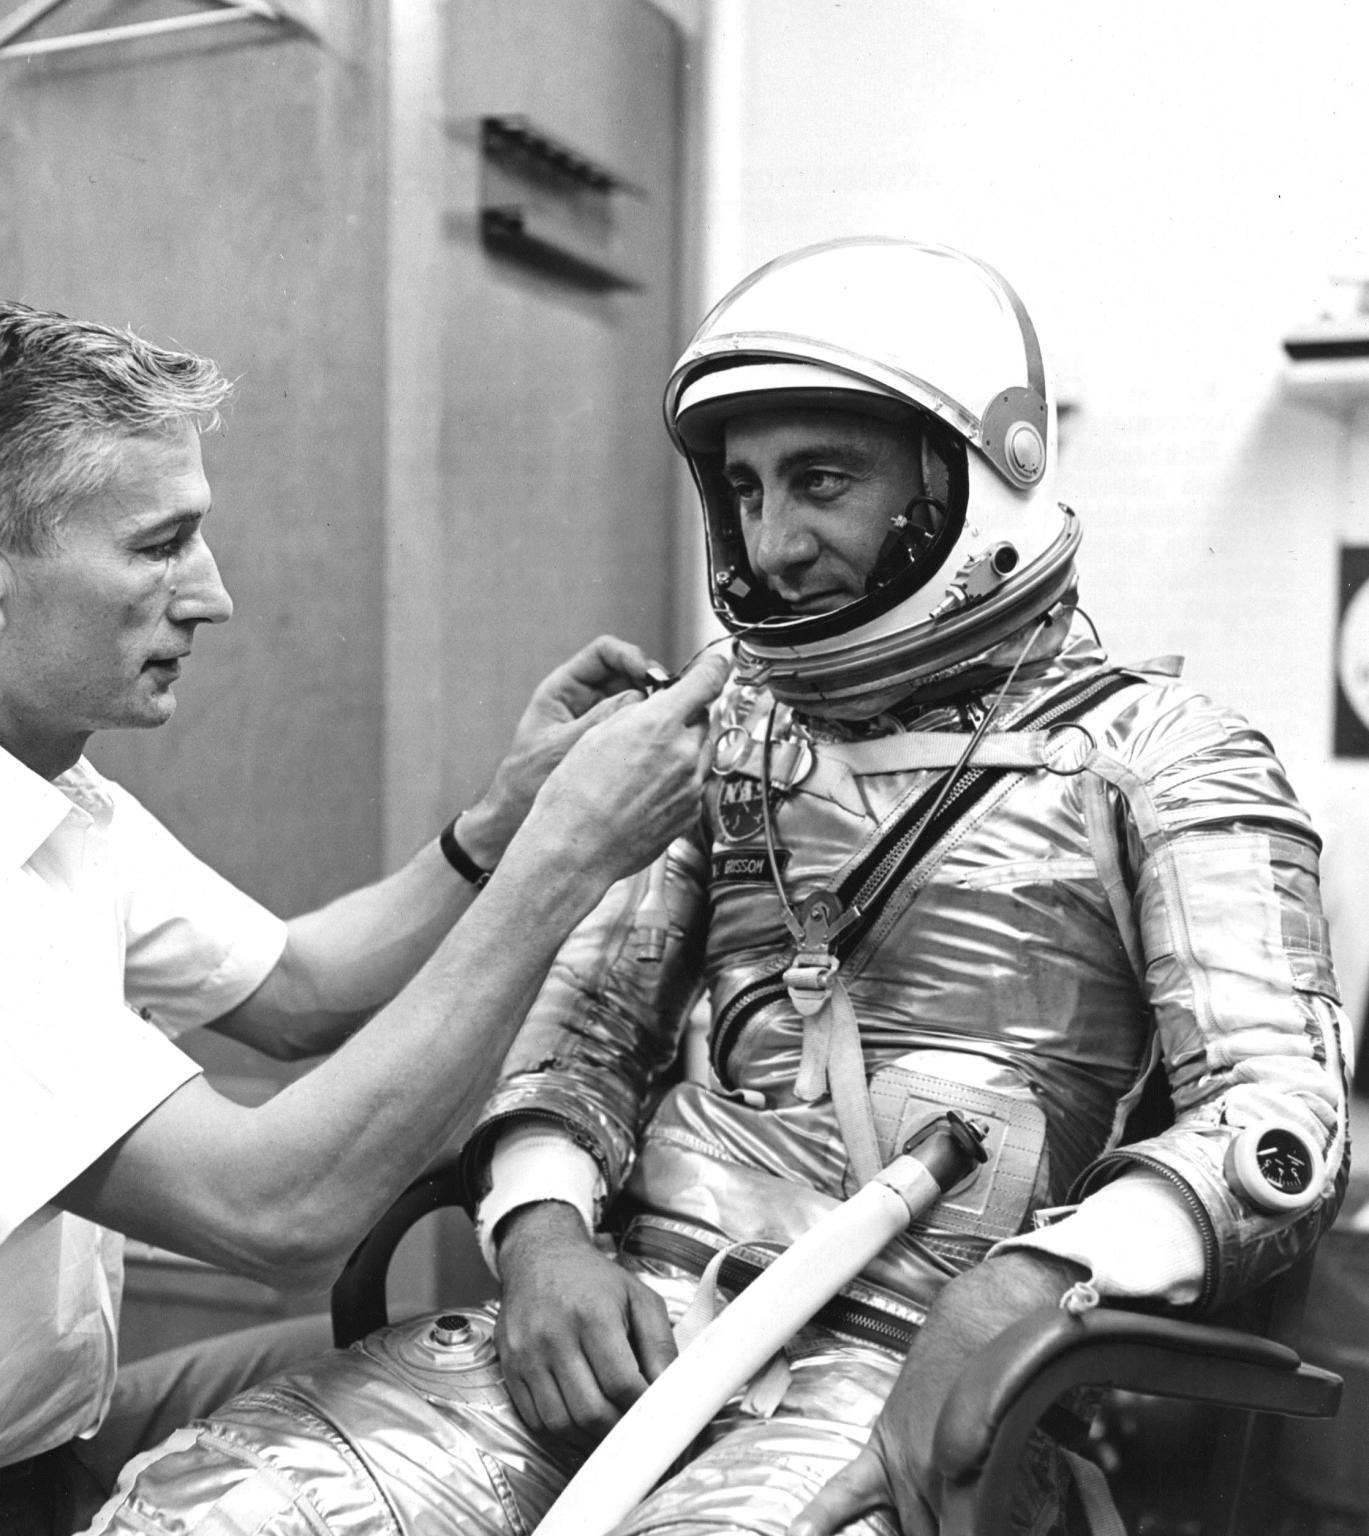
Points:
[1017,942]
[1040,938]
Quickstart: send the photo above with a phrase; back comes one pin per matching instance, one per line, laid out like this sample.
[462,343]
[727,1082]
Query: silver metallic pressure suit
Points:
[949,857]
[1001,967]
[1056,914]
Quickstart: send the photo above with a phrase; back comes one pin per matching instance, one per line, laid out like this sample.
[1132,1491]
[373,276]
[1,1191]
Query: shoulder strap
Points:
[914,832]
[831,1060]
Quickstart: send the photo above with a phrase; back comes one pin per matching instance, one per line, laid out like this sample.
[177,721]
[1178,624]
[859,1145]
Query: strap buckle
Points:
[814,966]
[809,980]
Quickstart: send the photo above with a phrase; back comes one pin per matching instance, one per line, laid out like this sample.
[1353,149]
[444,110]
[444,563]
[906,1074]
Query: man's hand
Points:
[895,1468]
[579,1338]
[595,683]
[630,785]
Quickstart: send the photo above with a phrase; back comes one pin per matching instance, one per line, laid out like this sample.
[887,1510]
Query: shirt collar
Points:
[35,807]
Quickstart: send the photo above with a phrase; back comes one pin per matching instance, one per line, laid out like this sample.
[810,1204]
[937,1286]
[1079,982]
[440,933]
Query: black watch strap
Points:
[459,859]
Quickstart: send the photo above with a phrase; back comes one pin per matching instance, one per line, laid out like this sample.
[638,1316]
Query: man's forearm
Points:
[284,1190]
[895,1467]
[345,960]
[971,1309]
[978,1305]
[456,1019]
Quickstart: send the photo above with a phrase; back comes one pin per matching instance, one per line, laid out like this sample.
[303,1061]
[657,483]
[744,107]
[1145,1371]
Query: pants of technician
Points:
[58,1492]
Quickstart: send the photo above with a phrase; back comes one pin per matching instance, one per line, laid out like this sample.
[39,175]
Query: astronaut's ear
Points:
[7,584]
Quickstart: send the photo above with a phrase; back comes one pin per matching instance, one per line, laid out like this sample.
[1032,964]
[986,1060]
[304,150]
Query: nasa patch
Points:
[741,815]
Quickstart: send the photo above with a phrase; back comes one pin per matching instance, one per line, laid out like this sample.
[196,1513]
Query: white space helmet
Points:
[910,332]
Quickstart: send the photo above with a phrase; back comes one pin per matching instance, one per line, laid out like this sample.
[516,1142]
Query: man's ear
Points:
[7,584]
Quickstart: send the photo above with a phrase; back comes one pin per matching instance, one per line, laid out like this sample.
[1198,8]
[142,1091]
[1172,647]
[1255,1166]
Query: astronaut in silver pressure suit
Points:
[950,856]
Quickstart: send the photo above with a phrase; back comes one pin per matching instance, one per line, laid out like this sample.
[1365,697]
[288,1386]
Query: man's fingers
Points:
[652,1338]
[609,706]
[686,700]
[609,668]
[524,1400]
[538,1399]
[860,1486]
[697,689]
[607,657]
[562,1401]
[590,1403]
[604,666]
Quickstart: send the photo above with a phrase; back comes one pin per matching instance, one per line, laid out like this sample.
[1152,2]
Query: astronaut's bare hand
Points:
[631,785]
[598,680]
[579,1338]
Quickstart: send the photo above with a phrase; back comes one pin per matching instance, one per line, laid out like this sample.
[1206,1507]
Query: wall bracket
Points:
[29,14]
[550,206]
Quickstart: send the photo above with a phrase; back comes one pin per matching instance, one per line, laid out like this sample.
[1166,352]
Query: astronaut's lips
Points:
[827,601]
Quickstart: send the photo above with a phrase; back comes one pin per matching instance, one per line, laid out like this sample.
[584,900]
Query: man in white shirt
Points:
[113,938]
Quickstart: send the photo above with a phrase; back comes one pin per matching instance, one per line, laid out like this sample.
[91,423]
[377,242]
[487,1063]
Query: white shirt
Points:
[113,938]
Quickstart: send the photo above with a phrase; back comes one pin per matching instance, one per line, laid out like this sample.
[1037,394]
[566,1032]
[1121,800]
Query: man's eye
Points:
[746,494]
[824,484]
[165,549]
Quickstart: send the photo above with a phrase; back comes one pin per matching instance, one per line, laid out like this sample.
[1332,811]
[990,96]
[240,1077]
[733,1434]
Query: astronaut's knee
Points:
[411,1426]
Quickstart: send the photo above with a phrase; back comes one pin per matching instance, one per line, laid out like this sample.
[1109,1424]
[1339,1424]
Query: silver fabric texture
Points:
[399,1436]
[1163,896]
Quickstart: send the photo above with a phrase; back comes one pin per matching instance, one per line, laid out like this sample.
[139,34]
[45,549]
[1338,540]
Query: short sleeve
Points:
[197,946]
[79,1071]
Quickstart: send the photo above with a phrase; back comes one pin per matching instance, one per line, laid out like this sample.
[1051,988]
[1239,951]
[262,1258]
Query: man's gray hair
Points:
[69,390]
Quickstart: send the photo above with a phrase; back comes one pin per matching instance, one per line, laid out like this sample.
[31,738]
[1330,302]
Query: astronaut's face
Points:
[816,495]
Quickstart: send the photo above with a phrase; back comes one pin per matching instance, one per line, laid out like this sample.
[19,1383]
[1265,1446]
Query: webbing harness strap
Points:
[765,1391]
[832,1060]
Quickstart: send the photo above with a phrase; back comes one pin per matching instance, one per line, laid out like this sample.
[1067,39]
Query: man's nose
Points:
[785,539]
[201,597]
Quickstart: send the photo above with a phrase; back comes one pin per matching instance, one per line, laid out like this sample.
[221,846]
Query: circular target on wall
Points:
[1352,655]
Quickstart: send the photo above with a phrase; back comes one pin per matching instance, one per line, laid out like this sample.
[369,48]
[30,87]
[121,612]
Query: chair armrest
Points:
[1009,1384]
[358,1296]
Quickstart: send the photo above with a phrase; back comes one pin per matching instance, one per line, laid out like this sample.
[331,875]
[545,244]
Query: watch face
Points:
[1284,1161]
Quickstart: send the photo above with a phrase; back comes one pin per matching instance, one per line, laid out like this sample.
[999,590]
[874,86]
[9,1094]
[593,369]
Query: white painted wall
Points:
[1169,186]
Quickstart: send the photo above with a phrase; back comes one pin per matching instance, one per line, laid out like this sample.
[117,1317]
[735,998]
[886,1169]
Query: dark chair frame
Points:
[359,1304]
[1252,1377]
[1011,1383]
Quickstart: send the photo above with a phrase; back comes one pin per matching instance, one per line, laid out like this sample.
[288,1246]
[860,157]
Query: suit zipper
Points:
[871,879]
[737,1014]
